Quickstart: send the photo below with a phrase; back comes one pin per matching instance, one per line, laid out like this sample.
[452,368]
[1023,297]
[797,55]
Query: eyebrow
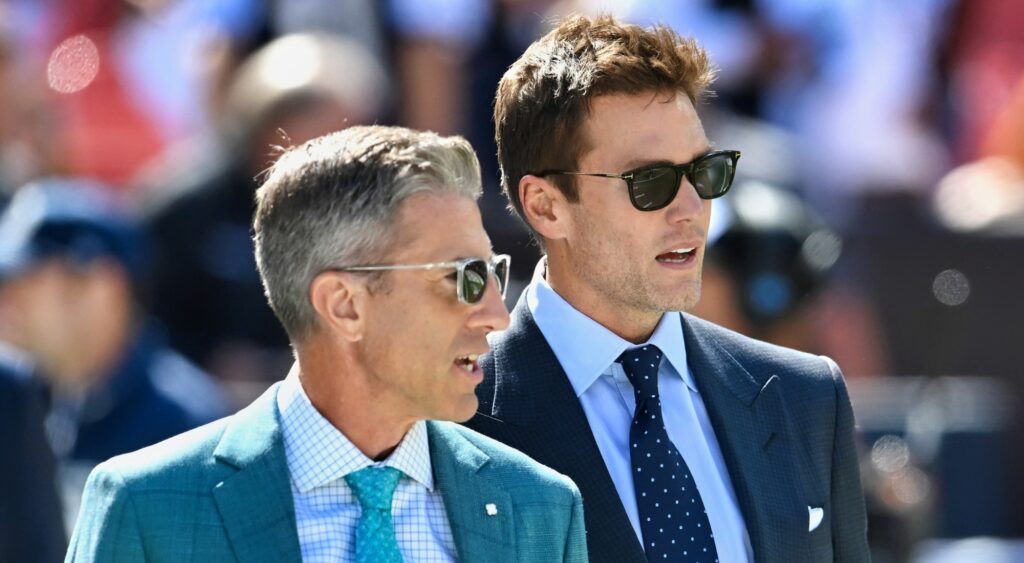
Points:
[642,162]
[461,257]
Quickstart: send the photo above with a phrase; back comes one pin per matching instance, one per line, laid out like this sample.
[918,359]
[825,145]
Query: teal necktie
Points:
[375,533]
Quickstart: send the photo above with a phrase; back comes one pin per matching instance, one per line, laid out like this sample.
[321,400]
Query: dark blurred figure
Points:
[31,528]
[206,287]
[766,263]
[69,265]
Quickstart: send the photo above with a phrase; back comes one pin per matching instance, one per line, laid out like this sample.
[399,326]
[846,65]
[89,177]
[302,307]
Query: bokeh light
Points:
[73,65]
[951,287]
[890,454]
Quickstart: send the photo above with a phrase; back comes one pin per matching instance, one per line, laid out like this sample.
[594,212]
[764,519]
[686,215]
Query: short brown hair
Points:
[545,96]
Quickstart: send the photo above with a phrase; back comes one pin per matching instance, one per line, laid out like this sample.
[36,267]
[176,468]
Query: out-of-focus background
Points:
[878,217]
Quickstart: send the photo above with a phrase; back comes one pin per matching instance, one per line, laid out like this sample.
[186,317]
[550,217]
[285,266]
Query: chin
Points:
[462,410]
[684,298]
[680,302]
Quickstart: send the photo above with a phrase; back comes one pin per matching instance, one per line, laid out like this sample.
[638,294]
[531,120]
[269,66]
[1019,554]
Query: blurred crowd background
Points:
[877,216]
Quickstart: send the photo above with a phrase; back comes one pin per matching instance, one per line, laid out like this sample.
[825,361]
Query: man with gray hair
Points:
[372,252]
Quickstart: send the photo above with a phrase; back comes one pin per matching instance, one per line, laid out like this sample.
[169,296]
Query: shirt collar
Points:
[584,347]
[318,453]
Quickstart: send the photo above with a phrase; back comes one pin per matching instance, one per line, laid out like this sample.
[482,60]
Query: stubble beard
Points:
[622,284]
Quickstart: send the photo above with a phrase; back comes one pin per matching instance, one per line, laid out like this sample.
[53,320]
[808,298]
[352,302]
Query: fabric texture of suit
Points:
[783,420]
[222,493]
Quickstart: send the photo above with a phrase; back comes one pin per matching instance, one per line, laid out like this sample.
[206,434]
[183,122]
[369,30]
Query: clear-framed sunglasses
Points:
[471,274]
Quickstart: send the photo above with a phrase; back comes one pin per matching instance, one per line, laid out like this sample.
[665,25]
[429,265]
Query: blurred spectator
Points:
[436,40]
[860,102]
[767,260]
[25,123]
[206,287]
[987,195]
[31,528]
[69,265]
[359,20]
[985,55]
[127,78]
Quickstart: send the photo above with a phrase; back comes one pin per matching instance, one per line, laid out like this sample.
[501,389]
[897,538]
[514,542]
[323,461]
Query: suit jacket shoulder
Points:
[502,505]
[216,493]
[181,462]
[807,379]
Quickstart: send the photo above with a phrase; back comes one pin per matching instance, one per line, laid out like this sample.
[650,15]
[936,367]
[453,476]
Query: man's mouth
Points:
[468,363]
[677,255]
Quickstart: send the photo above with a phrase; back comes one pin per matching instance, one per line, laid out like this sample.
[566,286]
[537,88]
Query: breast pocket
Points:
[819,530]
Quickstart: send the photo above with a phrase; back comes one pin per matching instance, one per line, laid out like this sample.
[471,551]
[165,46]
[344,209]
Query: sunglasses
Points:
[654,187]
[470,274]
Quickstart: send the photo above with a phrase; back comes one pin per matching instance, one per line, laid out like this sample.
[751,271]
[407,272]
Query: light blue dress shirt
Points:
[587,351]
[326,511]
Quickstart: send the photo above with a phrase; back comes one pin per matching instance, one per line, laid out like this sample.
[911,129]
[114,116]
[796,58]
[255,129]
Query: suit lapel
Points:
[533,394]
[749,417]
[255,503]
[481,515]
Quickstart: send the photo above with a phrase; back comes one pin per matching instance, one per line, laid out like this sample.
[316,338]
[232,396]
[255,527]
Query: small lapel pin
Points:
[491,509]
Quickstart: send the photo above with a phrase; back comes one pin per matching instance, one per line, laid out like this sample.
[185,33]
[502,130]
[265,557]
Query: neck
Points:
[627,323]
[350,403]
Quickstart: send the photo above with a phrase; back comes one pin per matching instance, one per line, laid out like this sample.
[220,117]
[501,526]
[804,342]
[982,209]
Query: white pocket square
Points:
[814,518]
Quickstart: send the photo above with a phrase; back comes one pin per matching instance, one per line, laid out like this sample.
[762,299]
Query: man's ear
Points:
[544,206]
[339,299]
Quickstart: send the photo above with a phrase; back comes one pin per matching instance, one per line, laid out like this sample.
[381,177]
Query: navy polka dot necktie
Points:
[672,518]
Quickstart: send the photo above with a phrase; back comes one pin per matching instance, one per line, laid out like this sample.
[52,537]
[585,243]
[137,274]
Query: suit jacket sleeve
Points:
[849,527]
[108,527]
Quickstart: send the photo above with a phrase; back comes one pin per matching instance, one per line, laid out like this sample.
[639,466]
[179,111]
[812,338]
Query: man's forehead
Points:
[622,124]
[439,226]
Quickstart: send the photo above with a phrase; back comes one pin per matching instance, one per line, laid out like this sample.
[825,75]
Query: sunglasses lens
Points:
[474,280]
[653,188]
[712,176]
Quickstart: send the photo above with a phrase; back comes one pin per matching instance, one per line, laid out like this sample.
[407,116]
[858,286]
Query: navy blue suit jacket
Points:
[782,418]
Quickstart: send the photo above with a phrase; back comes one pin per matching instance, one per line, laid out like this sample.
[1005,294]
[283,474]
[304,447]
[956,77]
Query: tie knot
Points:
[374,486]
[641,367]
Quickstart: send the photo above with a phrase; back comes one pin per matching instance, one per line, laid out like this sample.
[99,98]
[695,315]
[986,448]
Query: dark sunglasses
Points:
[471,274]
[654,187]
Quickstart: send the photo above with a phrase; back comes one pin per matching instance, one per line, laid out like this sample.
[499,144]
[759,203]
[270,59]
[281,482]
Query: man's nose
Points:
[687,205]
[493,315]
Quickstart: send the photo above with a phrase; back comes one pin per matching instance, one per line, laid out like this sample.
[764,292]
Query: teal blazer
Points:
[222,493]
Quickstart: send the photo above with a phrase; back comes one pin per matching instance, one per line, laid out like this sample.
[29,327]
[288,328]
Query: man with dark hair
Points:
[373,255]
[689,442]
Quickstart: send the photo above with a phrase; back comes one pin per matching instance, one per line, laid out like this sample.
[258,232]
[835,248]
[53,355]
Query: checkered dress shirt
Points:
[326,512]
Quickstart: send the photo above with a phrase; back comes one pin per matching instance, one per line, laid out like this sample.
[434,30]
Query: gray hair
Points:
[331,201]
